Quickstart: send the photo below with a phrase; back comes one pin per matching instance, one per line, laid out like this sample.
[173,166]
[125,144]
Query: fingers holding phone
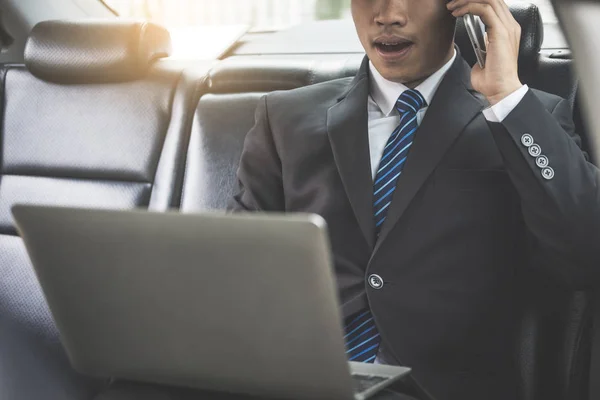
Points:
[500,76]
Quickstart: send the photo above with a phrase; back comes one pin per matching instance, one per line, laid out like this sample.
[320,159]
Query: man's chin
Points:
[394,74]
[408,76]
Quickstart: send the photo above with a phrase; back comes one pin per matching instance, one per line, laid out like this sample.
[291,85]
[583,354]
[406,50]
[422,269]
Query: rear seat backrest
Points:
[90,121]
[93,128]
[225,114]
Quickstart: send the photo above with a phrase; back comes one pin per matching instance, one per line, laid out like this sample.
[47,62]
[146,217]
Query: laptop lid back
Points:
[242,303]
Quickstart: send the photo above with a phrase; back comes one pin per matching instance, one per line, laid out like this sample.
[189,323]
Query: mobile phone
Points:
[476,30]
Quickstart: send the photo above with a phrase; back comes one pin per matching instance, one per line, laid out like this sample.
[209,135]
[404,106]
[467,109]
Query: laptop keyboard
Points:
[365,382]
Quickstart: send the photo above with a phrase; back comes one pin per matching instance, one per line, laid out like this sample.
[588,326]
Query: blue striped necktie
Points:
[362,338]
[395,154]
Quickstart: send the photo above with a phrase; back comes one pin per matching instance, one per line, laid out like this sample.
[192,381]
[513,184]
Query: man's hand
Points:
[499,78]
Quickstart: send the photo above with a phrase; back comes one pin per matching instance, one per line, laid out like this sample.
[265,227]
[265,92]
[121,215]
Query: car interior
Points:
[96,114]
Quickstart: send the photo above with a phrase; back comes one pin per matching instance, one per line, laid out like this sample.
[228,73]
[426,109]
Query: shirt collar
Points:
[385,93]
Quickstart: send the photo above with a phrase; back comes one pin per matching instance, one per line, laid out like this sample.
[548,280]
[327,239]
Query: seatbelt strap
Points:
[595,357]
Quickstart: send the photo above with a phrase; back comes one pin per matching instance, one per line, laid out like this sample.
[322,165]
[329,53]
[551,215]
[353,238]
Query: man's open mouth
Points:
[392,47]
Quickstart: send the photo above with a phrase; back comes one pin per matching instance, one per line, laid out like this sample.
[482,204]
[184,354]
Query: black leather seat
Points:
[225,114]
[553,340]
[89,121]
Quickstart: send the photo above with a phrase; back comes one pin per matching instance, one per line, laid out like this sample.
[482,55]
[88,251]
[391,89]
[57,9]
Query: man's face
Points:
[406,40]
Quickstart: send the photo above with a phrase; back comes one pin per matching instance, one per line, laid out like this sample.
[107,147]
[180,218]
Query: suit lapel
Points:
[347,126]
[452,108]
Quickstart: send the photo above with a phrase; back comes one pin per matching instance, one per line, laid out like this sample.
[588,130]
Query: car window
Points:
[259,14]
[192,21]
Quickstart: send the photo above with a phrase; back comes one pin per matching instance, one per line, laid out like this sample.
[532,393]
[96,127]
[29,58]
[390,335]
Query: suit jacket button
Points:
[527,140]
[548,173]
[375,281]
[535,150]
[542,161]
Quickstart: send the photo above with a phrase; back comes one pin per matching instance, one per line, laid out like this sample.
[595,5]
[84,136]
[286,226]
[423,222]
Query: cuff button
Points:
[548,173]
[542,161]
[535,150]
[527,140]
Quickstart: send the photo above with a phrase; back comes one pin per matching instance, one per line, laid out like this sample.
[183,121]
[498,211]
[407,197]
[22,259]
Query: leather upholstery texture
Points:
[101,51]
[88,145]
[35,369]
[240,74]
[226,113]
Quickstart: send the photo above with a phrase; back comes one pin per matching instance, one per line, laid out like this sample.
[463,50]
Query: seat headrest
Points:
[532,35]
[249,74]
[94,51]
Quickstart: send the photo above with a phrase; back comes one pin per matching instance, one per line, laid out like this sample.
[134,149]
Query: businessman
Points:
[440,184]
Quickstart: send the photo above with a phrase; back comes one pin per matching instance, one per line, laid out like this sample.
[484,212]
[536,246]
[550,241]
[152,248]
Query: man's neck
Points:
[385,93]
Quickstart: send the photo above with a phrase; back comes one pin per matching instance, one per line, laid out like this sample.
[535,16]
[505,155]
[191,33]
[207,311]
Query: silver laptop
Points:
[236,303]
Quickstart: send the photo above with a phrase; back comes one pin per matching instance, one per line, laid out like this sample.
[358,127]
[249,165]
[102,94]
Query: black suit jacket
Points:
[471,210]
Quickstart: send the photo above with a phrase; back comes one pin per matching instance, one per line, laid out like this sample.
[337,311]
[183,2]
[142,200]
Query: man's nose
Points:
[391,12]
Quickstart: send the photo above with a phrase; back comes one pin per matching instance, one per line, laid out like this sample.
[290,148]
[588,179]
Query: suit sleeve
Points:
[558,188]
[259,173]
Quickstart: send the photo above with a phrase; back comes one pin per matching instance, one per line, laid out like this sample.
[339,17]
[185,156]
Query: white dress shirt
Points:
[383,117]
